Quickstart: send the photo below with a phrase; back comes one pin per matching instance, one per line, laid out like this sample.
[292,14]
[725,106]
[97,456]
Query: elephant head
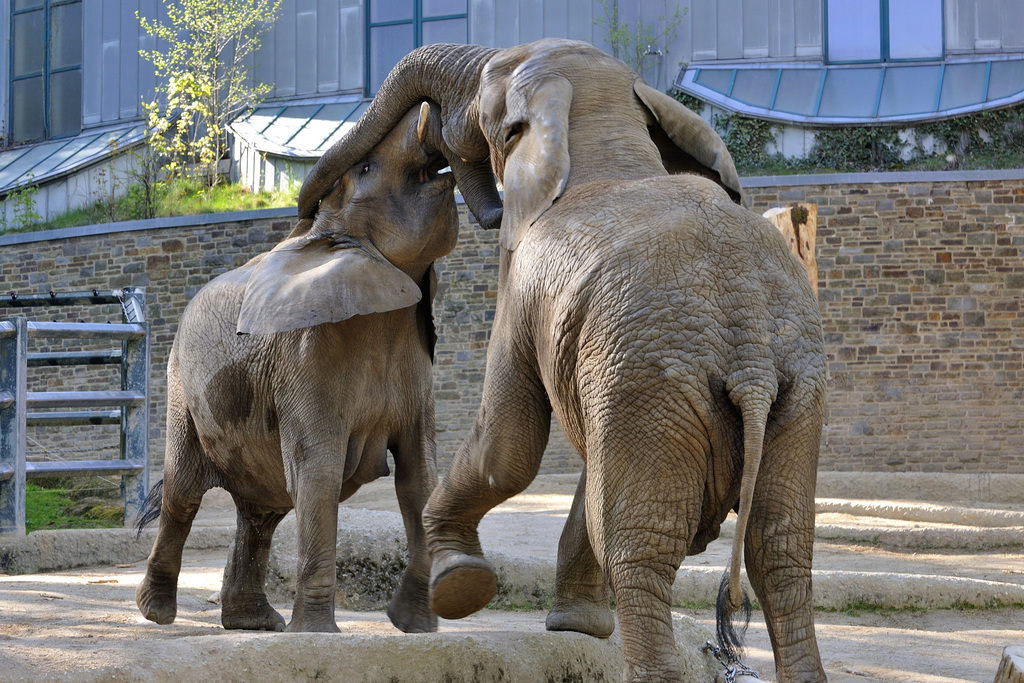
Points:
[559,112]
[447,75]
[372,242]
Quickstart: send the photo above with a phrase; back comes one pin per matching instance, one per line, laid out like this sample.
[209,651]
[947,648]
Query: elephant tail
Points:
[754,399]
[150,508]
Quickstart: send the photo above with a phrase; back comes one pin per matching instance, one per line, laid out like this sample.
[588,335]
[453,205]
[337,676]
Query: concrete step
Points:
[371,557]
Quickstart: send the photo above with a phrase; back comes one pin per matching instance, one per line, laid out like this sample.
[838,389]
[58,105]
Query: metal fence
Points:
[20,408]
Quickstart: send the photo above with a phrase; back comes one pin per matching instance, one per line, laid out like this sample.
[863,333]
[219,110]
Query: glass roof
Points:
[43,161]
[298,129]
[861,93]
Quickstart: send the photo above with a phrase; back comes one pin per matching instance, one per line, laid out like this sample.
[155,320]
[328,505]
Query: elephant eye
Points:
[365,169]
[514,131]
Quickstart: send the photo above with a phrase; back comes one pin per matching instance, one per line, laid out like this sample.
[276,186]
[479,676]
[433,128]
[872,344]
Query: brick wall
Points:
[920,289]
[173,263]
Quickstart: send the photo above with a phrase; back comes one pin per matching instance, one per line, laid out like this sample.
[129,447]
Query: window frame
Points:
[884,39]
[46,73]
[417,21]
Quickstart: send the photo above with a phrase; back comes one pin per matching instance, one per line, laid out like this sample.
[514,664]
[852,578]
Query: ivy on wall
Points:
[987,139]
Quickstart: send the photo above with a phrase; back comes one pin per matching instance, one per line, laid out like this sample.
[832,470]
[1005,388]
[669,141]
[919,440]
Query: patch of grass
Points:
[858,607]
[181,197]
[72,504]
[693,604]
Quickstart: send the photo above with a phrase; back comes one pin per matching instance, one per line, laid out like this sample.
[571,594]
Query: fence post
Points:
[13,370]
[135,419]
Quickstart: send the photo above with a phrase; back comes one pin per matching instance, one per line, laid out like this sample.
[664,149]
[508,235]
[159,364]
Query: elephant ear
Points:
[313,279]
[686,142]
[537,154]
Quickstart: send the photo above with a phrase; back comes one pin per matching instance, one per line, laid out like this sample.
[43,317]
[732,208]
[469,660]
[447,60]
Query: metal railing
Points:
[128,407]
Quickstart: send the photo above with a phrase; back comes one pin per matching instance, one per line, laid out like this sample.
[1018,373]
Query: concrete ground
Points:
[917,578]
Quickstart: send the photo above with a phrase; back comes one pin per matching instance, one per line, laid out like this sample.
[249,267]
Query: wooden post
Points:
[798,223]
[1011,668]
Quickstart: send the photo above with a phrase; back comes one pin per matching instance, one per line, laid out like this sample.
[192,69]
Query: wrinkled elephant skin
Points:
[291,377]
[674,337]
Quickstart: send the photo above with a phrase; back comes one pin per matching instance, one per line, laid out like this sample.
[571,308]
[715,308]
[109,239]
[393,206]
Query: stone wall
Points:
[174,261]
[920,288]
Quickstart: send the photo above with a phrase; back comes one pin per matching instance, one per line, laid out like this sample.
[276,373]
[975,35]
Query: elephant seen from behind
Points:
[291,377]
[670,331]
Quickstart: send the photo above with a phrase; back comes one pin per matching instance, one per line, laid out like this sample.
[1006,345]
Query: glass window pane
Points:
[909,90]
[27,4]
[798,91]
[65,103]
[66,36]
[321,126]
[27,109]
[854,30]
[29,40]
[447,31]
[962,85]
[1007,78]
[755,86]
[915,29]
[390,10]
[715,79]
[285,126]
[439,8]
[850,92]
[388,44]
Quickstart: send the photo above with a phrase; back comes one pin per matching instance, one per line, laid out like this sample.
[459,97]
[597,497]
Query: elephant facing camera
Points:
[291,377]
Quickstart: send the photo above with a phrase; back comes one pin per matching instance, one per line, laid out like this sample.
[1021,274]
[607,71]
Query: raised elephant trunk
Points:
[447,74]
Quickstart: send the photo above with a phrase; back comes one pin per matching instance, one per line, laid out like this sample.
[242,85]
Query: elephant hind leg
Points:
[581,587]
[642,569]
[415,479]
[644,484]
[779,545]
[187,476]
[244,602]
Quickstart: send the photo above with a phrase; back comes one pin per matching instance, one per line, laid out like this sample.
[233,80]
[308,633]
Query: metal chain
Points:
[733,666]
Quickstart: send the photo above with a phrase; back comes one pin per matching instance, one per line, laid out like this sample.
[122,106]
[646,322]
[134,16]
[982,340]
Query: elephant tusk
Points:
[421,126]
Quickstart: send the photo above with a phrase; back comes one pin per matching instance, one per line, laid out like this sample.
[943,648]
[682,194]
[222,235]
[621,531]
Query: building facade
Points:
[74,80]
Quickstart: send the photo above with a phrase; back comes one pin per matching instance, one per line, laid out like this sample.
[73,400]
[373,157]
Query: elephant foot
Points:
[460,584]
[409,609]
[158,604]
[258,617]
[594,620]
[410,620]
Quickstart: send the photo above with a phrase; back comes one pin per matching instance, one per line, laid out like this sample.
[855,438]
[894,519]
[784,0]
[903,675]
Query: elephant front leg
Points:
[581,588]
[415,480]
[498,459]
[244,603]
[315,495]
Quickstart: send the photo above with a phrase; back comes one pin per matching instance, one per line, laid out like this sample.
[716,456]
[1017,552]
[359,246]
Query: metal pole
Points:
[13,410]
[135,354]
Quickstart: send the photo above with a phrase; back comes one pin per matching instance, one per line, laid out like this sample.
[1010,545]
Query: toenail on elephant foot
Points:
[159,606]
[460,585]
[590,619]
